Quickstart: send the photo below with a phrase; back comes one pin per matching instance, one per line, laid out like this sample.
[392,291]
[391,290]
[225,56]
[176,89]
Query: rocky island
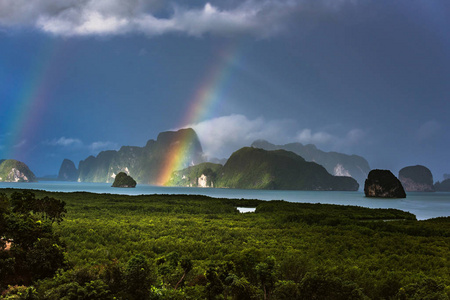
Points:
[255,168]
[337,164]
[416,179]
[383,184]
[12,170]
[68,171]
[122,180]
[443,186]
[142,163]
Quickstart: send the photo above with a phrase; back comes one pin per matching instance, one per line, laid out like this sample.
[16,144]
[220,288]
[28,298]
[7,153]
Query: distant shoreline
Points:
[423,205]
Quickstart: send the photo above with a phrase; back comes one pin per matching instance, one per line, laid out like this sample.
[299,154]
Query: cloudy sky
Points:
[366,77]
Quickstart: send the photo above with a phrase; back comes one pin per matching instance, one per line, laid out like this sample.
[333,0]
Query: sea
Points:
[423,205]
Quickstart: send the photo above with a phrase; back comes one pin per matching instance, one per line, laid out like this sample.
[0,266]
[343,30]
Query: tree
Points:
[246,262]
[215,286]
[240,288]
[266,275]
[139,276]
[113,275]
[427,288]
[323,286]
[23,202]
[4,208]
[26,224]
[44,258]
[286,290]
[186,265]
[74,284]
[46,208]
[51,209]
[19,293]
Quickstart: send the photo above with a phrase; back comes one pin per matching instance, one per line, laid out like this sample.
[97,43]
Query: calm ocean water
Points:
[423,205]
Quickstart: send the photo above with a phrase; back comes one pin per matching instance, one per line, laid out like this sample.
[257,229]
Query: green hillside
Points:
[253,168]
[335,163]
[190,175]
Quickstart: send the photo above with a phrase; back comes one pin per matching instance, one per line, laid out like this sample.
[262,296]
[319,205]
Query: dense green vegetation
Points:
[253,168]
[22,172]
[124,181]
[29,250]
[196,247]
[190,175]
[356,166]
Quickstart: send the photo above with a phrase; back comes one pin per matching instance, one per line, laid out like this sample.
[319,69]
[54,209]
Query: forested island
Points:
[255,168]
[104,246]
[124,181]
[261,166]
[12,170]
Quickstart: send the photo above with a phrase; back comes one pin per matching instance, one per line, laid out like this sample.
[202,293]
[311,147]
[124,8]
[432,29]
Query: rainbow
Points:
[203,101]
[28,100]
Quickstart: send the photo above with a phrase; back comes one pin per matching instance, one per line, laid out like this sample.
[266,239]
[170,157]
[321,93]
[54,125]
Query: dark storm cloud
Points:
[112,17]
[368,77]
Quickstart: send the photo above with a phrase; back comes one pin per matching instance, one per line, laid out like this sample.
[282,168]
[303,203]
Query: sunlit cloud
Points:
[221,136]
[99,146]
[65,142]
[331,141]
[77,144]
[306,136]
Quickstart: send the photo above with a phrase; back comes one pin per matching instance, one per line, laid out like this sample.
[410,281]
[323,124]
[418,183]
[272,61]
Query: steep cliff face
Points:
[68,171]
[12,170]
[95,169]
[144,164]
[201,175]
[335,163]
[416,179]
[126,159]
[205,181]
[383,184]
